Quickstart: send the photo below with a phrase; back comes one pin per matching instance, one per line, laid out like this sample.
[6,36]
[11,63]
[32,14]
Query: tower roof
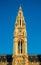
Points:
[20,7]
[20,18]
[20,13]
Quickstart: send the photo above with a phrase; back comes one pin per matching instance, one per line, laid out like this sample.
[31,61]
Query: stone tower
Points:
[20,56]
[20,35]
[20,40]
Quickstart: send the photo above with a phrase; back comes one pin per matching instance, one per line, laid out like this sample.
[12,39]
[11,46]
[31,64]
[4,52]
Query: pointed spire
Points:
[20,18]
[20,7]
[20,13]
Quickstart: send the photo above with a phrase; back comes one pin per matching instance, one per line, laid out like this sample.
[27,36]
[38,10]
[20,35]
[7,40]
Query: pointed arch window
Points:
[20,22]
[19,46]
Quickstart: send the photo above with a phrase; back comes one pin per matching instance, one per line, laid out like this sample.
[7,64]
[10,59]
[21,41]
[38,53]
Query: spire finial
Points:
[20,7]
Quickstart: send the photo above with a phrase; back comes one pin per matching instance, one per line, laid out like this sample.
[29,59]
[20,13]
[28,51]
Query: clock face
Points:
[20,30]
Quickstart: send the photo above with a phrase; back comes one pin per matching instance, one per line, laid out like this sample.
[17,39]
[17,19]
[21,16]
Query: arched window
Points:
[20,22]
[19,46]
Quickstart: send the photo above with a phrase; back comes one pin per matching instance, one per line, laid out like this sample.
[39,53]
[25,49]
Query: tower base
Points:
[20,60]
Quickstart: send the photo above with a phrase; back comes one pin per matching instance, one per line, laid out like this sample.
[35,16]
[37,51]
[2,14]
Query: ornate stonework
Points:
[20,41]
[20,56]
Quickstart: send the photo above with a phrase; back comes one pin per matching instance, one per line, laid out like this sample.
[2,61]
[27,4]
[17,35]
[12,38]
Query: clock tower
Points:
[20,40]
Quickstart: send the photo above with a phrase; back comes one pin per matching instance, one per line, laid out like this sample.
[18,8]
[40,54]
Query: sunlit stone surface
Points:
[20,56]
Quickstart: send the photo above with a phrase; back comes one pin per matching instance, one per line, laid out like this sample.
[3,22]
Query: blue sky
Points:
[32,14]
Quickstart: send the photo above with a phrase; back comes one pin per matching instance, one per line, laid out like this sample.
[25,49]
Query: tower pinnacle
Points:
[20,8]
[20,13]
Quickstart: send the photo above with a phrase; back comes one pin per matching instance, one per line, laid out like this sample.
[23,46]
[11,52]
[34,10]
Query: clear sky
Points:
[32,14]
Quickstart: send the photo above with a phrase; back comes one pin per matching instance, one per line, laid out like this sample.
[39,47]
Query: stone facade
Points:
[14,60]
[20,40]
[20,56]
